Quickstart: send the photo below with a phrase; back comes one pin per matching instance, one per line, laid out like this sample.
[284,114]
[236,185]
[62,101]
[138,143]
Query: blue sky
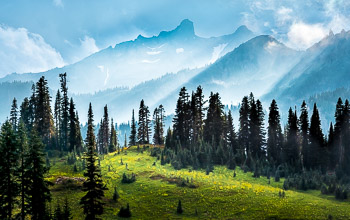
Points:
[43,34]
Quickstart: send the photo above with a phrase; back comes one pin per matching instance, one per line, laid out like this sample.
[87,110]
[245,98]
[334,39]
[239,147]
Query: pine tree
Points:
[158,121]
[338,132]
[25,113]
[213,124]
[72,144]
[57,115]
[274,132]
[66,214]
[64,111]
[304,135]
[105,131]
[9,185]
[38,192]
[93,186]
[113,140]
[144,124]
[231,134]
[181,122]
[330,148]
[291,148]
[197,112]
[23,152]
[316,140]
[179,208]
[43,115]
[14,114]
[243,134]
[132,137]
[79,138]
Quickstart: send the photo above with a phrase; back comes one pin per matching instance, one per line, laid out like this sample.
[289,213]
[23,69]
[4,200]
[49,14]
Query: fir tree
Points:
[93,186]
[316,140]
[132,137]
[72,127]
[231,134]
[113,141]
[243,134]
[291,148]
[179,208]
[144,123]
[9,185]
[43,115]
[181,122]
[14,114]
[64,111]
[304,135]
[57,116]
[37,187]
[213,124]
[274,132]
[158,121]
[25,113]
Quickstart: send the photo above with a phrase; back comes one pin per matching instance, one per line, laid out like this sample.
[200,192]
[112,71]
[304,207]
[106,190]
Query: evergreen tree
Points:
[197,112]
[23,152]
[14,114]
[93,186]
[304,135]
[144,124]
[338,133]
[181,122]
[132,137]
[25,113]
[243,134]
[38,192]
[66,214]
[274,132]
[72,128]
[158,121]
[9,186]
[57,115]
[64,111]
[79,138]
[213,124]
[43,115]
[179,208]
[113,140]
[231,134]
[105,131]
[291,148]
[316,140]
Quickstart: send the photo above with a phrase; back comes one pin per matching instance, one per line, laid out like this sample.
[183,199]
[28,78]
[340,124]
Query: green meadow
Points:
[219,195]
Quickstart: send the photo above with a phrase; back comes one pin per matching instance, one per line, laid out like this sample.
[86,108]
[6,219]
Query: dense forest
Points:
[202,135]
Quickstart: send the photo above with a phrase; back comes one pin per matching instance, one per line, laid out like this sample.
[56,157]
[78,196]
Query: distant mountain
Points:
[324,67]
[133,62]
[252,67]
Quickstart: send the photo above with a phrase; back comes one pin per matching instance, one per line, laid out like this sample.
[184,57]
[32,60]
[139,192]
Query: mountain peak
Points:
[242,29]
[185,29]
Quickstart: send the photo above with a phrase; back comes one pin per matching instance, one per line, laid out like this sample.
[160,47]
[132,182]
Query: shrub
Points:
[125,212]
[179,208]
[127,179]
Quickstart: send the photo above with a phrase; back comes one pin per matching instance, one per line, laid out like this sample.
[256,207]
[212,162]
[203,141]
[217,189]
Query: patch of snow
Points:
[216,52]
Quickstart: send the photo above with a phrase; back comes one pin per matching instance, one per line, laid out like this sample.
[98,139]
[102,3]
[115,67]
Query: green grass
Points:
[219,195]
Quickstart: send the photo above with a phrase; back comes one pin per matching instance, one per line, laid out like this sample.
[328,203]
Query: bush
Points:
[127,179]
[115,194]
[341,193]
[125,212]
[179,208]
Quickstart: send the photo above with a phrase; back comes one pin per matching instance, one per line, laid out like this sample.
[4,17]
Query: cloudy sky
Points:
[43,34]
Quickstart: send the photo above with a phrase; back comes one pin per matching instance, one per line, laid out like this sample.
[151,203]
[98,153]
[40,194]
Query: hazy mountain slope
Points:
[133,62]
[252,67]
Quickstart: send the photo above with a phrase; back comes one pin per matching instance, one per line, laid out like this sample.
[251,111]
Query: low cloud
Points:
[86,47]
[301,35]
[22,51]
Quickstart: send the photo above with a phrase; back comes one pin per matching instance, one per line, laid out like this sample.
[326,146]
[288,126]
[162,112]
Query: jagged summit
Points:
[242,29]
[185,29]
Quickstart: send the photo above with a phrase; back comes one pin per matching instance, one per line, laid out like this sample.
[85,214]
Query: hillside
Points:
[323,68]
[215,196]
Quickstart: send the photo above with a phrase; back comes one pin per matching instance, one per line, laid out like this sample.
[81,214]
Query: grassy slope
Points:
[217,196]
